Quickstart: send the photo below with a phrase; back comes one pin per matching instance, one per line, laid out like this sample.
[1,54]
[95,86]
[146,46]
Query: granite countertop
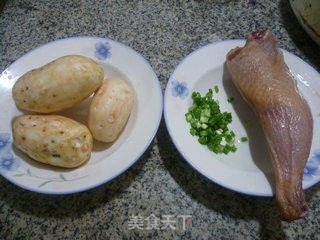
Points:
[161,182]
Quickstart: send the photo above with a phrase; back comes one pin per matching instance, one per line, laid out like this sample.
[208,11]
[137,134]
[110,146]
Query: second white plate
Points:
[248,170]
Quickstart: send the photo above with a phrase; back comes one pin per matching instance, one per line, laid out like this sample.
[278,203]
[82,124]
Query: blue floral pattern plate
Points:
[107,160]
[249,170]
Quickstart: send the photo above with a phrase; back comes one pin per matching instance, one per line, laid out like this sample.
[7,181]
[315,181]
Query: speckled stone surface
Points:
[161,182]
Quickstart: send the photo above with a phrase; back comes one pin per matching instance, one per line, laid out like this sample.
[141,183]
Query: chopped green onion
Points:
[188,117]
[219,131]
[202,140]
[204,126]
[207,112]
[244,139]
[204,119]
[209,94]
[193,131]
[230,99]
[209,130]
[209,124]
[203,133]
[233,148]
[229,138]
[226,149]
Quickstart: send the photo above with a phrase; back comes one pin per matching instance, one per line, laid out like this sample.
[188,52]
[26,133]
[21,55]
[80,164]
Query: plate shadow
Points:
[70,205]
[221,200]
[215,197]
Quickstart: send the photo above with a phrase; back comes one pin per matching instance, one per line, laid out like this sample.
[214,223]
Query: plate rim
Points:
[212,179]
[304,25]
[142,151]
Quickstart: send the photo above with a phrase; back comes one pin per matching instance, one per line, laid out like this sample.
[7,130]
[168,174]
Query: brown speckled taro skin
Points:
[110,109]
[58,85]
[53,139]
[260,74]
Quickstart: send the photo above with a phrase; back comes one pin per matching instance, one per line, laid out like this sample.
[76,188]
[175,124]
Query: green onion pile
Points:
[210,124]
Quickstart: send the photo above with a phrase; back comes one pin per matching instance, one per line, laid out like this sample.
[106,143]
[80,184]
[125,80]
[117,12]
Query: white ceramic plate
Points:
[304,22]
[107,160]
[248,170]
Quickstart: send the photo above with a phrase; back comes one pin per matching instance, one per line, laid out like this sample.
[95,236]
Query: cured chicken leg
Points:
[260,74]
